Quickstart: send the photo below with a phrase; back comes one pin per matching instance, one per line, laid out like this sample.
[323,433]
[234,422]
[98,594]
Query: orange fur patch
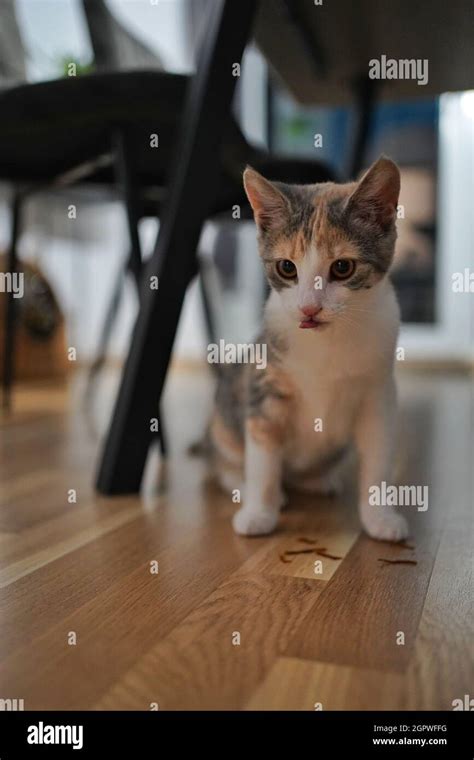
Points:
[224,440]
[266,433]
[297,247]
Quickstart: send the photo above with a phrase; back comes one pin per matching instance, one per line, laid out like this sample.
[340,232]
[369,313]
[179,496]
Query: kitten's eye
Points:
[342,269]
[286,269]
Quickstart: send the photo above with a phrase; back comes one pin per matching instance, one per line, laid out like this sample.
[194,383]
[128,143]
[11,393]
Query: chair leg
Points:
[161,435]
[126,177]
[204,286]
[365,92]
[192,192]
[10,307]
[126,181]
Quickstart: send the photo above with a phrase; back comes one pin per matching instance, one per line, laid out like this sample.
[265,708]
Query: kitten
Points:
[330,326]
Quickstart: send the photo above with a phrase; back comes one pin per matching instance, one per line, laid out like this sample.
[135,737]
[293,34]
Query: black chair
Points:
[97,128]
[205,178]
[113,47]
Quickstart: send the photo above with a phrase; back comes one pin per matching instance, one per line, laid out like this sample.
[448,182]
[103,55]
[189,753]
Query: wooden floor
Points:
[227,622]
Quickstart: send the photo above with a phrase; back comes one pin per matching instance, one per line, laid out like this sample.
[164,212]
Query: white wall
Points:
[453,336]
[56,29]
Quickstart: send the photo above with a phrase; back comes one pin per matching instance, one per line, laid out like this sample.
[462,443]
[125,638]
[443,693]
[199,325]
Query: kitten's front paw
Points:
[251,522]
[385,526]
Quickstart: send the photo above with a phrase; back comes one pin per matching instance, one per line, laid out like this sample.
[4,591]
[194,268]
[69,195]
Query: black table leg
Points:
[365,90]
[130,192]
[127,179]
[11,306]
[192,191]
[130,189]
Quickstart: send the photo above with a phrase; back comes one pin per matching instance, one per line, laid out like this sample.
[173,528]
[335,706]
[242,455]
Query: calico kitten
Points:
[330,326]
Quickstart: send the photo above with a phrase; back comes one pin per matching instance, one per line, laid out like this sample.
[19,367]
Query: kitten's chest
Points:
[326,400]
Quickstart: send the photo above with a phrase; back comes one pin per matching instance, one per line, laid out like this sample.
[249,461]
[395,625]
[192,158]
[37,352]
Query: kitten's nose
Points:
[311,311]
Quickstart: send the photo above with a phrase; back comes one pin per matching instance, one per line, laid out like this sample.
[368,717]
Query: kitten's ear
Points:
[375,198]
[265,198]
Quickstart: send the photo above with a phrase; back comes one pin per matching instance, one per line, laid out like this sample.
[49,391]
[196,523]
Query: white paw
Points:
[252,522]
[385,526]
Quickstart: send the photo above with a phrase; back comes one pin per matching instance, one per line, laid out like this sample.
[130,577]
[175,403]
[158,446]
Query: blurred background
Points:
[430,136]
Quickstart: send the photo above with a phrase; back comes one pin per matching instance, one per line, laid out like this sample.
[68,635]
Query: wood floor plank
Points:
[380,601]
[329,549]
[47,533]
[167,638]
[41,497]
[296,684]
[442,667]
[35,560]
[26,486]
[121,622]
[37,602]
[430,682]
[76,577]
[198,667]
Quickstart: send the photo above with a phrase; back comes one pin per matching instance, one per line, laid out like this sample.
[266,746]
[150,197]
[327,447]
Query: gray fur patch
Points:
[375,245]
[230,397]
[276,281]
[364,277]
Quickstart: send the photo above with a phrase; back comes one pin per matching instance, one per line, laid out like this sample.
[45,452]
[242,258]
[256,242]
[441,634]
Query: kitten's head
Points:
[325,245]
